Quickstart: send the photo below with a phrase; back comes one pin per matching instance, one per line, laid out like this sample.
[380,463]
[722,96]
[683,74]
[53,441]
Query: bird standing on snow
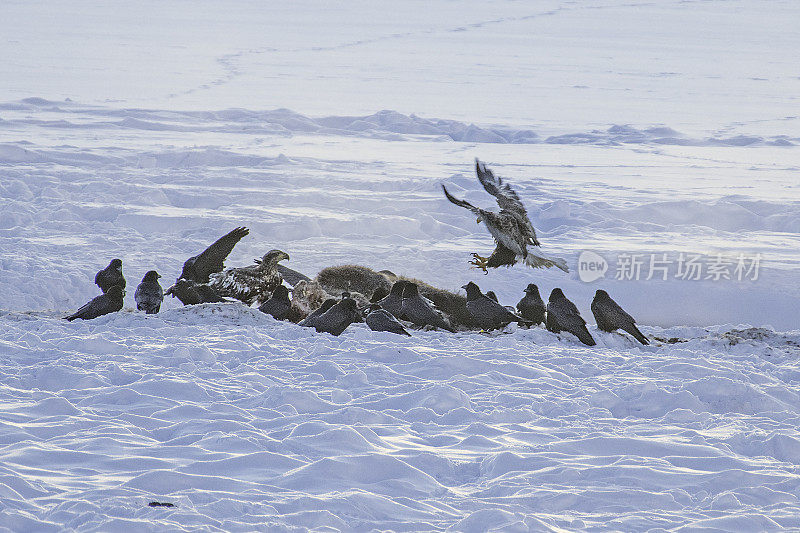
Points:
[110,302]
[191,286]
[531,308]
[110,276]
[336,319]
[199,267]
[562,315]
[311,320]
[393,302]
[253,283]
[487,313]
[191,293]
[382,320]
[417,310]
[511,228]
[610,316]
[149,294]
[279,304]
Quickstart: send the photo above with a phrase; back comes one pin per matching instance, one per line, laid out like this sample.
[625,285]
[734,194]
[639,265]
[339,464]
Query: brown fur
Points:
[353,279]
[308,296]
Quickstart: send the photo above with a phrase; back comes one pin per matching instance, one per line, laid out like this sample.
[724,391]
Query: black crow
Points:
[104,304]
[610,316]
[336,319]
[531,308]
[278,305]
[382,320]
[487,313]
[393,302]
[199,267]
[417,310]
[311,320]
[110,276]
[149,293]
[562,315]
[190,293]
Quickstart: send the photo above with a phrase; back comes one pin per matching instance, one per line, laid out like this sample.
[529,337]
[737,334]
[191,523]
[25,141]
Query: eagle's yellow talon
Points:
[480,262]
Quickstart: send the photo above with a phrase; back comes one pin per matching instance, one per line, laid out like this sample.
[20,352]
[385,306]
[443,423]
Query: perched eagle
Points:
[511,228]
[253,283]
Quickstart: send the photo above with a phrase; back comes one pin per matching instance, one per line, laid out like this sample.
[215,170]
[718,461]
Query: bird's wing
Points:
[292,277]
[82,310]
[568,315]
[212,259]
[616,314]
[494,222]
[465,204]
[506,197]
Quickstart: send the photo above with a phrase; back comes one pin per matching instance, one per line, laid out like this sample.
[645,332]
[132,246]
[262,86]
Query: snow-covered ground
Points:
[146,130]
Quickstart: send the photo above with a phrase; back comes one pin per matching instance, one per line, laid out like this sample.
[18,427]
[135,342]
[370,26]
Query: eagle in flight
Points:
[511,228]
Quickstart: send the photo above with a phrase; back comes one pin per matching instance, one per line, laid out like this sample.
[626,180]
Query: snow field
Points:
[246,423]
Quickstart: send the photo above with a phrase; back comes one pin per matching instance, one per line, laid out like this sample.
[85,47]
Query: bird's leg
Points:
[480,262]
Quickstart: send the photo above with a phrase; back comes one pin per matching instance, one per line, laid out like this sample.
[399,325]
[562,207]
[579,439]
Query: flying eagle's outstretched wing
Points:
[212,259]
[487,216]
[506,197]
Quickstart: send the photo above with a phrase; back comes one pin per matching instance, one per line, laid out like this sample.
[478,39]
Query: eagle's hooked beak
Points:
[479,220]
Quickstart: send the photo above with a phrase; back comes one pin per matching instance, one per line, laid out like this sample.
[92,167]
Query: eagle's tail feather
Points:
[537,259]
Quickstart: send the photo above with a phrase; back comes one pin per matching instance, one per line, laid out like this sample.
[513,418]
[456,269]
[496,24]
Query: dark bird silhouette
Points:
[382,320]
[199,267]
[364,281]
[492,295]
[336,319]
[311,320]
[110,302]
[511,228]
[379,294]
[610,316]
[110,276]
[487,313]
[531,308]
[278,305]
[418,311]
[253,283]
[191,293]
[562,315]
[149,293]
[393,302]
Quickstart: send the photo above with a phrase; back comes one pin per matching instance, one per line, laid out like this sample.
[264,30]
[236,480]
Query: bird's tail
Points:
[585,337]
[538,259]
[637,334]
